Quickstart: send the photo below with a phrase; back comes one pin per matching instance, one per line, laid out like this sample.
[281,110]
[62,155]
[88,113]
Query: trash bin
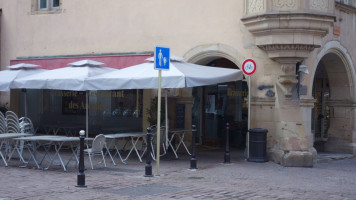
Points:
[257,145]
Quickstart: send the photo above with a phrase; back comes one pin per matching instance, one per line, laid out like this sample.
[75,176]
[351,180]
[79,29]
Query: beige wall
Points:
[91,26]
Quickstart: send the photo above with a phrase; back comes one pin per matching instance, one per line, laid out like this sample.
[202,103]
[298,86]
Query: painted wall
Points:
[94,26]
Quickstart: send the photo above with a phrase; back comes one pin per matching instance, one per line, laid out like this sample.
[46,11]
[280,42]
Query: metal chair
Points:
[97,147]
[13,126]
[26,126]
[12,122]
[153,142]
[2,123]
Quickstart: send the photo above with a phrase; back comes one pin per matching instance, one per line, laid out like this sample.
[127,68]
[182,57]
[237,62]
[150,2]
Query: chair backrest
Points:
[162,133]
[2,123]
[12,122]
[26,125]
[98,143]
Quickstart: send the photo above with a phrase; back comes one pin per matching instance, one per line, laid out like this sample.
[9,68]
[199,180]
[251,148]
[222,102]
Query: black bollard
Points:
[227,146]
[148,167]
[81,175]
[193,160]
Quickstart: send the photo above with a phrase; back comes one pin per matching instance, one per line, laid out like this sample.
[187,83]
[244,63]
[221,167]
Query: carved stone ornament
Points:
[286,83]
[278,47]
[321,5]
[288,69]
[284,4]
[255,6]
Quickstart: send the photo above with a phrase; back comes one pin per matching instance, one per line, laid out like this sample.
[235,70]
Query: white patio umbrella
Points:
[17,71]
[180,75]
[66,78]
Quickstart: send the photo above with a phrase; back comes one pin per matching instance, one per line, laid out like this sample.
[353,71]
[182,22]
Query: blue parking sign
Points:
[162,56]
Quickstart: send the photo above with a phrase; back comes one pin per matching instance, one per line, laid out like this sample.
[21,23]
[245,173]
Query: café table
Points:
[180,135]
[134,137]
[51,140]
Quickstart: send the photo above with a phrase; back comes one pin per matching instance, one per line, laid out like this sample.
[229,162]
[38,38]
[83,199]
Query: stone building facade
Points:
[302,92]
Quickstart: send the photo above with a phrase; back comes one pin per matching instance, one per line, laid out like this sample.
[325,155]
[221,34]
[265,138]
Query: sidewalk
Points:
[213,180]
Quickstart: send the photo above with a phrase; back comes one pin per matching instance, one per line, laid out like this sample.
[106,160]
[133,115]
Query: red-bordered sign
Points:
[249,67]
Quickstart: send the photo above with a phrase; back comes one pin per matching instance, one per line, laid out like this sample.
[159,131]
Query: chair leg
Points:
[91,163]
[102,154]
[153,152]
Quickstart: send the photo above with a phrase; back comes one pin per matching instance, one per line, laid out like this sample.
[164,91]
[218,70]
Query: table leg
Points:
[170,144]
[74,153]
[2,156]
[118,153]
[108,151]
[19,151]
[32,154]
[57,147]
[134,142]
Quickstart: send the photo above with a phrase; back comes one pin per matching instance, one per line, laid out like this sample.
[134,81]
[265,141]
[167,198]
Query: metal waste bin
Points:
[257,145]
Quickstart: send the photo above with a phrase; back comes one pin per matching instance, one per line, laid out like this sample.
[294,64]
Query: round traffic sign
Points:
[249,67]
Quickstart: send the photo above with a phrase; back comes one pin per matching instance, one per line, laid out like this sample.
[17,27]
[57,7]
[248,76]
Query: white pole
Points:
[137,97]
[86,113]
[25,98]
[158,122]
[166,109]
[249,116]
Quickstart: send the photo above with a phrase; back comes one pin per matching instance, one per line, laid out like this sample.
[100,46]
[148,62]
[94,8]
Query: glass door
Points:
[213,107]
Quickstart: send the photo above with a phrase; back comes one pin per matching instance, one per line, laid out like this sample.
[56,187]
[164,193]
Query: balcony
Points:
[288,28]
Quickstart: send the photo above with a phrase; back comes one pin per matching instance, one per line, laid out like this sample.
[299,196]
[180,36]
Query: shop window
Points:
[109,111]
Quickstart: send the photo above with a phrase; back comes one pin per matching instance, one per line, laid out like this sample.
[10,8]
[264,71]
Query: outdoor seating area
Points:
[21,144]
[54,139]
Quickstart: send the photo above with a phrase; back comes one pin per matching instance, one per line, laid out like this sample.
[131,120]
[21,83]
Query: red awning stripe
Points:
[118,62]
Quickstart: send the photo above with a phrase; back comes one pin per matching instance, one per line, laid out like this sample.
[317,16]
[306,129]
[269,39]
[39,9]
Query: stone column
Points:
[291,148]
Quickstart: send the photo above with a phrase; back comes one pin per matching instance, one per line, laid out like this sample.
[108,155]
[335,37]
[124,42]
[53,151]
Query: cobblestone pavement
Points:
[335,179]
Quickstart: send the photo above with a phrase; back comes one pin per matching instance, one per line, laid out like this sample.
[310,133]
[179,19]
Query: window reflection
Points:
[109,111]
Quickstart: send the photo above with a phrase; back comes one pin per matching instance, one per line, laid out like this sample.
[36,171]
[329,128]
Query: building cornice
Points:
[346,8]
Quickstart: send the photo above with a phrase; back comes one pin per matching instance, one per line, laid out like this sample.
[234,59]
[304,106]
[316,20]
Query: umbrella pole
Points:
[166,116]
[86,113]
[158,122]
[25,99]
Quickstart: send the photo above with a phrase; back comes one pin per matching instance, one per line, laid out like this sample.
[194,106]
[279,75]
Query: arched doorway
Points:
[215,105]
[332,115]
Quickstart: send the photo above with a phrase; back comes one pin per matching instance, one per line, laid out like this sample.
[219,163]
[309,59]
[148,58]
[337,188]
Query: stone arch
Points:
[203,54]
[340,71]
[335,50]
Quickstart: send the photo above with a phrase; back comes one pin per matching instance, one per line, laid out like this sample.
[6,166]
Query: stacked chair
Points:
[12,122]
[26,125]
[16,125]
[2,123]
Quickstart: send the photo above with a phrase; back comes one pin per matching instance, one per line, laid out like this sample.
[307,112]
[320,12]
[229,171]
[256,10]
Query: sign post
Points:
[249,67]
[162,55]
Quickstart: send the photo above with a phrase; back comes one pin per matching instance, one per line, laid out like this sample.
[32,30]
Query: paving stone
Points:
[335,179]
